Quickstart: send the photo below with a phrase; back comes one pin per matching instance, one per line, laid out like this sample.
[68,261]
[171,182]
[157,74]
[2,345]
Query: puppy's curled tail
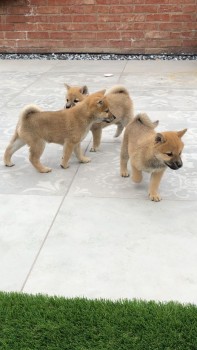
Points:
[144,119]
[28,110]
[117,89]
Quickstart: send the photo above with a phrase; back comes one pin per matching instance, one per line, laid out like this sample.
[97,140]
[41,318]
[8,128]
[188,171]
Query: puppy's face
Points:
[169,146]
[75,94]
[99,108]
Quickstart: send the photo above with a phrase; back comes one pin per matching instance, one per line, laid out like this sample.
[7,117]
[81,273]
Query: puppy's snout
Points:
[179,163]
[175,165]
[67,105]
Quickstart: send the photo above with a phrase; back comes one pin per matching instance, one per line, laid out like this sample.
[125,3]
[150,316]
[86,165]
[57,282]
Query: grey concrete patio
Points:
[86,231]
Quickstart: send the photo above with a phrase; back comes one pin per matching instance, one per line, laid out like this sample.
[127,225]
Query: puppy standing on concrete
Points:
[120,104]
[64,127]
[150,151]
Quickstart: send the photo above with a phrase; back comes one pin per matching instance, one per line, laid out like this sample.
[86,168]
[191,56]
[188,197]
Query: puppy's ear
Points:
[159,138]
[67,86]
[84,90]
[181,133]
[156,123]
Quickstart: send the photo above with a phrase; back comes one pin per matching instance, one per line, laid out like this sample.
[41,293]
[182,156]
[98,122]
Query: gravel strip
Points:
[95,57]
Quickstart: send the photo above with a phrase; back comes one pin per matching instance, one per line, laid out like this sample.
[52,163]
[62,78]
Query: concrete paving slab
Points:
[24,224]
[106,248]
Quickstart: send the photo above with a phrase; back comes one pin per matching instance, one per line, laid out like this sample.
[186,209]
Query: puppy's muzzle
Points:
[110,118]
[175,165]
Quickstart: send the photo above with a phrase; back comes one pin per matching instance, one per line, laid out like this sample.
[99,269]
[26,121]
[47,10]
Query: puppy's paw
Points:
[45,170]
[93,149]
[9,164]
[155,197]
[124,173]
[85,160]
[64,166]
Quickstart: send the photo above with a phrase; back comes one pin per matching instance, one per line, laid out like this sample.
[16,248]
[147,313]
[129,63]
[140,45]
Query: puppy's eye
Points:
[67,100]
[76,100]
[169,154]
[107,110]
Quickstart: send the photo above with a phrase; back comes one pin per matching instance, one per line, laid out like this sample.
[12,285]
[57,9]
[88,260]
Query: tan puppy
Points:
[150,151]
[64,127]
[75,94]
[120,104]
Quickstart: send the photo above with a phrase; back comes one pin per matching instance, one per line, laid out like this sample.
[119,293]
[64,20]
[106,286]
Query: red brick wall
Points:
[119,26]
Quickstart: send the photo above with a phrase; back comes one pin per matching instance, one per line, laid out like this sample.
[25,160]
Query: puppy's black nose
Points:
[179,163]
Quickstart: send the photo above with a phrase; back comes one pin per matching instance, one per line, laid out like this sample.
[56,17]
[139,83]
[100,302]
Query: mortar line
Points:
[49,229]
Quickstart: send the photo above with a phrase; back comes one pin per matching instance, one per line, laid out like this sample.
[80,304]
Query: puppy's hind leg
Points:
[119,129]
[124,157]
[15,144]
[35,151]
[79,154]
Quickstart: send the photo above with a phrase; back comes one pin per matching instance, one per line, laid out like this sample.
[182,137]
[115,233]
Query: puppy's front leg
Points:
[96,133]
[79,154]
[136,174]
[67,151]
[154,185]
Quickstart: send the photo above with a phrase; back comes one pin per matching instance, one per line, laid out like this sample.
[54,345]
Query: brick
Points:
[108,18]
[190,43]
[145,26]
[8,43]
[189,8]
[146,8]
[15,35]
[84,18]
[170,8]
[170,26]
[108,35]
[182,1]
[83,36]
[49,9]
[15,19]
[26,27]
[99,9]
[18,10]
[6,27]
[156,34]
[158,17]
[133,18]
[182,35]
[69,10]
[37,2]
[182,18]
[121,9]
[114,26]
[60,35]
[120,44]
[132,35]
[38,35]
[107,2]
[157,2]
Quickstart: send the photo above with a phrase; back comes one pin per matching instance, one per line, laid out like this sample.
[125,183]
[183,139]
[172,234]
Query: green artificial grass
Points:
[50,323]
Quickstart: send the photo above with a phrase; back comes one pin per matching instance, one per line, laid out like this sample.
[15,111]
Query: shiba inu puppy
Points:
[75,94]
[66,127]
[150,152]
[120,105]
